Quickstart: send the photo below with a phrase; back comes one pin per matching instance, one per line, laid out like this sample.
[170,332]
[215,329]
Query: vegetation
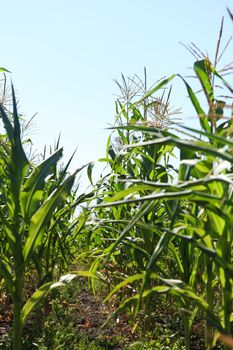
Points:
[155,232]
[37,205]
[163,224]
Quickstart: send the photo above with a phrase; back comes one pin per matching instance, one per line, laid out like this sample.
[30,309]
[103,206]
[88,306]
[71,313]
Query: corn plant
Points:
[32,204]
[149,164]
[58,250]
[150,210]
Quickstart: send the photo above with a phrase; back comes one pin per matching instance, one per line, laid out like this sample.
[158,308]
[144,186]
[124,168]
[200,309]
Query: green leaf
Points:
[17,163]
[202,116]
[64,280]
[217,223]
[200,146]
[42,216]
[201,196]
[142,211]
[124,283]
[33,186]
[193,99]
[89,171]
[34,300]
[159,86]
[4,70]
[17,129]
[207,247]
[178,288]
[213,70]
[64,169]
[18,155]
[7,124]
[162,244]
[202,70]
[7,274]
[128,191]
[215,137]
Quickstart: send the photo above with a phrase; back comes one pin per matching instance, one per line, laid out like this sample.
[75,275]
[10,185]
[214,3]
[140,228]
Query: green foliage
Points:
[158,224]
[36,201]
[163,225]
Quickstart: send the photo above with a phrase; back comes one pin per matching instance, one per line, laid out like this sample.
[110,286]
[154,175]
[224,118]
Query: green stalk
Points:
[227,306]
[18,282]
[186,331]
[225,245]
[19,267]
[227,292]
[209,299]
[184,249]
[17,308]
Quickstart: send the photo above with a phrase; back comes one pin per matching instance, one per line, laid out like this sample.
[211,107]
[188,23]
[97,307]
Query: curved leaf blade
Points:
[40,219]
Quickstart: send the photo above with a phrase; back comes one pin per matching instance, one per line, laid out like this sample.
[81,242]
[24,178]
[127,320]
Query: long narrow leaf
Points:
[36,182]
[34,300]
[142,211]
[202,115]
[196,146]
[43,214]
[159,86]
[164,195]
[202,70]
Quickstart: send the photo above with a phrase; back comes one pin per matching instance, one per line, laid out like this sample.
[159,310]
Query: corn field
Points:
[155,229]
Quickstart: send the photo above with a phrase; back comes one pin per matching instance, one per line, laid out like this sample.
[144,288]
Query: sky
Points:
[64,55]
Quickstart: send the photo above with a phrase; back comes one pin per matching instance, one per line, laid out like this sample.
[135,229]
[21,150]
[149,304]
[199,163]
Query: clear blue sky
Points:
[63,55]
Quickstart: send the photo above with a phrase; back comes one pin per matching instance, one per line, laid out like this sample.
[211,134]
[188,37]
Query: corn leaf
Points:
[65,279]
[33,186]
[200,146]
[7,274]
[4,70]
[122,284]
[7,124]
[159,86]
[34,300]
[202,70]
[202,115]
[41,217]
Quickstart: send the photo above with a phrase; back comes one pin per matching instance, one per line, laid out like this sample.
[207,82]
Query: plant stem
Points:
[17,308]
[209,299]
[186,332]
[227,306]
